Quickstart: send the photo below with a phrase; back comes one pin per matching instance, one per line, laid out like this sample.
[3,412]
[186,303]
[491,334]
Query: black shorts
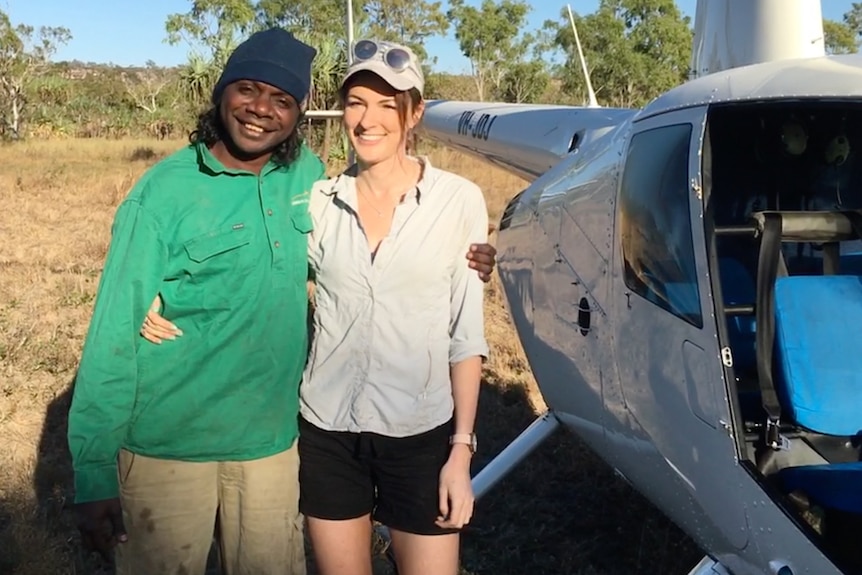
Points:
[345,475]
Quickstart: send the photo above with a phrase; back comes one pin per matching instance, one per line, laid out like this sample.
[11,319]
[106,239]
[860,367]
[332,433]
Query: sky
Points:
[130,32]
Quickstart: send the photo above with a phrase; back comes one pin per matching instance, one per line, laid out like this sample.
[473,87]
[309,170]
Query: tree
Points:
[327,70]
[488,37]
[212,28]
[197,78]
[22,59]
[635,50]
[853,18]
[839,37]
[524,81]
[319,23]
[843,37]
[408,22]
[318,18]
[214,25]
[145,86]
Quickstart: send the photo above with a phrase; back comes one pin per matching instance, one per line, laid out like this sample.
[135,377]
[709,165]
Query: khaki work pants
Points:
[170,509]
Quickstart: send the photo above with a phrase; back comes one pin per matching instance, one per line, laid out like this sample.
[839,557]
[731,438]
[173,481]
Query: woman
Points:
[388,398]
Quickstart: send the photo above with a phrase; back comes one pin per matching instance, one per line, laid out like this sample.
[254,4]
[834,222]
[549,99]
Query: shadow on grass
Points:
[563,510]
[37,529]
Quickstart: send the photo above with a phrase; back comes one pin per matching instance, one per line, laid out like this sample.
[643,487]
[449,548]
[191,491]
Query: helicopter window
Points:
[655,224]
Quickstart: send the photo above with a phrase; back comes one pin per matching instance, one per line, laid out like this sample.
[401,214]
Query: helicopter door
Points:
[668,357]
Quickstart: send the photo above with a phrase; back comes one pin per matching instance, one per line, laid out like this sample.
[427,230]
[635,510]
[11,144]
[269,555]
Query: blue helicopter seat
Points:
[818,323]
[818,378]
[739,288]
[830,485]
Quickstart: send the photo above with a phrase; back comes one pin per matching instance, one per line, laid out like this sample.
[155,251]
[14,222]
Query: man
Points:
[165,439]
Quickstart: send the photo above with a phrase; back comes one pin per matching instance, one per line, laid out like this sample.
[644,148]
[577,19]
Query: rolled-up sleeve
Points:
[467,314]
[106,384]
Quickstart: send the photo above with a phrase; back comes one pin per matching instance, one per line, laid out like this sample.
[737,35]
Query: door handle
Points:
[584,316]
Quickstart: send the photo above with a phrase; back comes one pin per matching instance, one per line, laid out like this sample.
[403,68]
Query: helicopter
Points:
[686,282]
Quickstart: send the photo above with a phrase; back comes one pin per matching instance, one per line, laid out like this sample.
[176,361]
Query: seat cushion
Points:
[834,486]
[818,337]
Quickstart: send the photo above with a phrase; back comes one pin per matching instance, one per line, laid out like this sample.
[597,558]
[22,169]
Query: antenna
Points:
[349,31]
[593,102]
[351,153]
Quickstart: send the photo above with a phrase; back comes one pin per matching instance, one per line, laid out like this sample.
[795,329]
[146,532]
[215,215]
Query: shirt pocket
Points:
[295,266]
[221,256]
[301,220]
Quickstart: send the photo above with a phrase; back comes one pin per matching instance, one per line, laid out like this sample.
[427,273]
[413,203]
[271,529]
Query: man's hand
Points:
[482,258]
[101,525]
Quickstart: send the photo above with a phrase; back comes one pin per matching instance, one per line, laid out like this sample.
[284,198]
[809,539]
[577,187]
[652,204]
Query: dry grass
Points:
[563,511]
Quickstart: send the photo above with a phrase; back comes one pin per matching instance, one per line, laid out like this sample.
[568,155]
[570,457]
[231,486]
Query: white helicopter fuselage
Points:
[613,265]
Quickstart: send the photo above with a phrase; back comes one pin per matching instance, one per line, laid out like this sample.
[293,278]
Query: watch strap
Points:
[465,438]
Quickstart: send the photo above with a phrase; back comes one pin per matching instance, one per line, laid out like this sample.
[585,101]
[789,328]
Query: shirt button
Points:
[269,212]
[277,244]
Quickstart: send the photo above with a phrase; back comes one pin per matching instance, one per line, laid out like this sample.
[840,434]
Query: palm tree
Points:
[326,73]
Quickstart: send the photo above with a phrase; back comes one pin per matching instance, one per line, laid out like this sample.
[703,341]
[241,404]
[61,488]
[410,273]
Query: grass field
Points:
[562,512]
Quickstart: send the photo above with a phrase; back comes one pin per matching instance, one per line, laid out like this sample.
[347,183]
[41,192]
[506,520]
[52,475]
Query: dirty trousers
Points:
[170,509]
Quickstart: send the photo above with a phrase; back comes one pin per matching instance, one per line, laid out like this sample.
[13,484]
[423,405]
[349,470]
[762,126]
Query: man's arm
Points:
[106,383]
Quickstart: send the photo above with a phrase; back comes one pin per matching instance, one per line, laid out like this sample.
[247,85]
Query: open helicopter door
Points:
[668,357]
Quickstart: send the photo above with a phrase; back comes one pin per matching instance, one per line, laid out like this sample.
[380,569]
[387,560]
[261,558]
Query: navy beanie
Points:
[274,57]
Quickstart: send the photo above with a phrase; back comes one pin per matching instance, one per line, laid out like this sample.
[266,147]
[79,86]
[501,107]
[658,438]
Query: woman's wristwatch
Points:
[468,439]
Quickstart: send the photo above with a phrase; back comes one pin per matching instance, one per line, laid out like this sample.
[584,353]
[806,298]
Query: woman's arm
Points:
[467,348]
[466,377]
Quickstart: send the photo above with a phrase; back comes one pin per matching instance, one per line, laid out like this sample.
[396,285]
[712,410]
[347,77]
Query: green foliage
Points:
[23,58]
[96,102]
[322,18]
[408,22]
[198,77]
[509,63]
[635,50]
[524,81]
[216,26]
[212,29]
[839,37]
[488,37]
[853,18]
[449,86]
[843,37]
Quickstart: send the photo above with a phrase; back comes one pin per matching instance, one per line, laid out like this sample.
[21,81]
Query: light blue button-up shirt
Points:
[387,330]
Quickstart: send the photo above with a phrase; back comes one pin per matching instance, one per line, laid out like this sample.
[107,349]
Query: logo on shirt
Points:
[301,198]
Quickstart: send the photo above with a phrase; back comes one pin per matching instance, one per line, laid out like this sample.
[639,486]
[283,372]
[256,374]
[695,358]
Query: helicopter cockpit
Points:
[783,193]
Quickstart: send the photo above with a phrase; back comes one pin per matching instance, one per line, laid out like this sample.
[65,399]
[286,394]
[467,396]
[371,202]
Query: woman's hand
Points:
[456,489]
[156,328]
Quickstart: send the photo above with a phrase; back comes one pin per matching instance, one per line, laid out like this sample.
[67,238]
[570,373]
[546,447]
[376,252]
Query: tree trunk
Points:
[15,124]
[480,85]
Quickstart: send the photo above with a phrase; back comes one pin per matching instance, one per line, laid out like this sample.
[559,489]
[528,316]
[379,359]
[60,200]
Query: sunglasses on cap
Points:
[398,59]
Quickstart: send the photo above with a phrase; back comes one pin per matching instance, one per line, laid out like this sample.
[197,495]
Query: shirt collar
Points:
[207,160]
[344,185]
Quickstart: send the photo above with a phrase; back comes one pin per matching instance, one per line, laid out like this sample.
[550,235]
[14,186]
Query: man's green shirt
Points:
[227,250]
